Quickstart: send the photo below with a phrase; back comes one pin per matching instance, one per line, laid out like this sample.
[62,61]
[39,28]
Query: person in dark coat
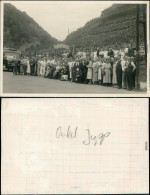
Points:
[98,51]
[130,51]
[32,65]
[110,52]
[51,70]
[69,55]
[18,66]
[130,70]
[84,72]
[35,67]
[119,72]
[79,66]
[111,62]
[74,72]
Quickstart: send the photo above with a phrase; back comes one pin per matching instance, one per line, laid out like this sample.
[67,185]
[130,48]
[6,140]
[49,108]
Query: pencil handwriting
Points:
[89,137]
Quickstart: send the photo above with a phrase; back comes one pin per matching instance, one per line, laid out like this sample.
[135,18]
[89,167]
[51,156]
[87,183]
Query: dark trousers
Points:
[50,74]
[134,73]
[73,76]
[35,70]
[18,69]
[124,79]
[32,69]
[130,80]
[119,78]
[84,79]
[79,79]
[25,69]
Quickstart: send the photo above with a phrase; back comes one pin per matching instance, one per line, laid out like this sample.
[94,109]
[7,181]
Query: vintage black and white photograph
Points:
[75,47]
[75,146]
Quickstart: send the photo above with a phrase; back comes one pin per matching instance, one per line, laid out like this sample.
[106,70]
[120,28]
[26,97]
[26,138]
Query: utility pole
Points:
[145,29]
[144,23]
[137,48]
[68,34]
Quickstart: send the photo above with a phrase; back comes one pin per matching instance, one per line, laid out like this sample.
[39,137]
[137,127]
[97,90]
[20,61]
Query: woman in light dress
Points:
[105,54]
[92,55]
[41,68]
[114,80]
[70,64]
[24,65]
[90,71]
[28,67]
[95,71]
[95,54]
[107,72]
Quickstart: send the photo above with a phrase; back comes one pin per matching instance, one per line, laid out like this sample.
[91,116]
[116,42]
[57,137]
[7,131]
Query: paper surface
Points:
[46,146]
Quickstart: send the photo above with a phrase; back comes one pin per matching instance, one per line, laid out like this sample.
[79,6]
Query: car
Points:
[9,56]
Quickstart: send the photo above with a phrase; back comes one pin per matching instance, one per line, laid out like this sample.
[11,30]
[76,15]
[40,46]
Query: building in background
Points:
[61,46]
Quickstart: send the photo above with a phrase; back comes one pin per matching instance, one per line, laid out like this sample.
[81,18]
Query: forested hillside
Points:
[116,26]
[22,32]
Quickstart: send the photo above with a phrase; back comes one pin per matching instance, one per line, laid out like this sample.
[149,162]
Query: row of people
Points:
[106,71]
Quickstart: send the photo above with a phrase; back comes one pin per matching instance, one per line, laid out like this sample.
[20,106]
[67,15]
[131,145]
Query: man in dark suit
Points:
[119,72]
[79,67]
[84,72]
[110,52]
[32,65]
[74,72]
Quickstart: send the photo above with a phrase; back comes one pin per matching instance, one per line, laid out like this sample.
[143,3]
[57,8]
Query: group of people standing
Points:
[107,70]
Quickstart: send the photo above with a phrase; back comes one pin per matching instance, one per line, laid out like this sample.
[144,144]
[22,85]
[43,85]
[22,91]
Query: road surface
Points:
[30,84]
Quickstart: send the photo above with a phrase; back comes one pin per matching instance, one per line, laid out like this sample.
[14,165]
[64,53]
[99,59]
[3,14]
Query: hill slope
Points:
[116,26]
[22,32]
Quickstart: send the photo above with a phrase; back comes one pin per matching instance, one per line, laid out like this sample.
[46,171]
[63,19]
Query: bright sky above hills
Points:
[59,16]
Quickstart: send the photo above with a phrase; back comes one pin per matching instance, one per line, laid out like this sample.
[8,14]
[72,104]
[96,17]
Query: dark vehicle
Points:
[9,56]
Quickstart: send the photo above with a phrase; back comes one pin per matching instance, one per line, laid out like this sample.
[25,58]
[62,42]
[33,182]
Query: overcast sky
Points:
[57,17]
